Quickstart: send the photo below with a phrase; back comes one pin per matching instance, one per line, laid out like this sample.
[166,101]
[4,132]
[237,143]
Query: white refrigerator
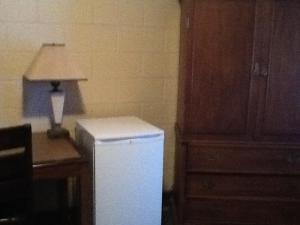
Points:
[126,154]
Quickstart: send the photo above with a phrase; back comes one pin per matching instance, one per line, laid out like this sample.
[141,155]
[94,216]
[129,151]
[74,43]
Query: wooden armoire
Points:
[238,118]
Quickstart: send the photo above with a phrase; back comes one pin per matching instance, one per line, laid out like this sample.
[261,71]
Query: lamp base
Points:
[58,132]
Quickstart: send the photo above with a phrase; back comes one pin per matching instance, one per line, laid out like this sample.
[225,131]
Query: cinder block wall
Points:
[127,48]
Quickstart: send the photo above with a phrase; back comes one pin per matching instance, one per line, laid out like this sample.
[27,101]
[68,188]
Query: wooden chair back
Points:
[15,171]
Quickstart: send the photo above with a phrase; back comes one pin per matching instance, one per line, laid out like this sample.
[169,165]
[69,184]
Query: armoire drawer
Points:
[232,211]
[243,159]
[285,187]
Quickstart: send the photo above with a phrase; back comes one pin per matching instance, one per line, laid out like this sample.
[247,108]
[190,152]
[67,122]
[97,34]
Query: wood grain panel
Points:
[280,117]
[220,185]
[222,59]
[231,211]
[256,160]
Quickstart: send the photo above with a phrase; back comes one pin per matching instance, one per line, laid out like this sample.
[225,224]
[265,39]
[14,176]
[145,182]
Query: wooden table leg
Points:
[86,206]
[63,200]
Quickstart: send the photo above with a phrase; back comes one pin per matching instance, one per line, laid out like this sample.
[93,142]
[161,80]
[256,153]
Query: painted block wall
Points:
[128,49]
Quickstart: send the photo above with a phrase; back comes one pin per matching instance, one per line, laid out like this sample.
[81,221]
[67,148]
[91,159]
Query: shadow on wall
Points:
[36,98]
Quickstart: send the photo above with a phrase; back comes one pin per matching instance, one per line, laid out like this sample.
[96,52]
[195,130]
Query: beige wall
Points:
[127,48]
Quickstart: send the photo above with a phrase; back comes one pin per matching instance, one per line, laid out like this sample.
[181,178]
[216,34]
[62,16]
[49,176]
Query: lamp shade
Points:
[53,63]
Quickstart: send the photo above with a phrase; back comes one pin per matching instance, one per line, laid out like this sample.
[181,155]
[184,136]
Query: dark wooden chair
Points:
[15,175]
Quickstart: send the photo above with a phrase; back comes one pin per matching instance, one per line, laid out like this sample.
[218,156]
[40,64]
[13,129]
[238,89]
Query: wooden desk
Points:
[60,159]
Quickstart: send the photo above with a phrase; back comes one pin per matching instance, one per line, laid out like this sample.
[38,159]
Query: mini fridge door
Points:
[128,181]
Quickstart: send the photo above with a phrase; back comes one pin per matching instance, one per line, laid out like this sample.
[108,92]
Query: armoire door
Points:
[279,94]
[217,101]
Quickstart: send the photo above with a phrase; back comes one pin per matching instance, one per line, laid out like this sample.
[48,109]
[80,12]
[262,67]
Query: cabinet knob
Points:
[260,71]
[290,159]
[256,69]
[264,72]
[207,185]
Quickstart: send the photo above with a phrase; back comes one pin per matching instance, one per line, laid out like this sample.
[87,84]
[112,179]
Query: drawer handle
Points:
[208,185]
[293,158]
[290,159]
[292,188]
[213,157]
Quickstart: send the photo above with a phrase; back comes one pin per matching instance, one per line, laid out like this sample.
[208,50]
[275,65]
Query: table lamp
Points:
[54,64]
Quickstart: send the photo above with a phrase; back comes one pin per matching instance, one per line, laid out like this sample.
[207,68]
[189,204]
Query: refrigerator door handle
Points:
[114,141]
[148,138]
